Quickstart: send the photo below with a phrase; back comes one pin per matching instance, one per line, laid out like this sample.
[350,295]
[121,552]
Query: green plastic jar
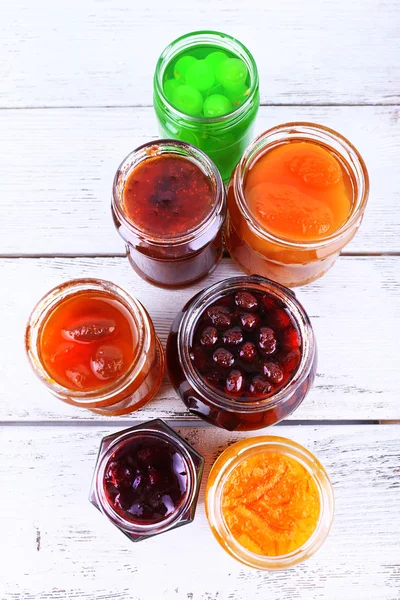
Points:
[224,138]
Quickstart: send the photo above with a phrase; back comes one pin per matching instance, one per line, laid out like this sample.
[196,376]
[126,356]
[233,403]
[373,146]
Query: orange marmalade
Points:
[271,504]
[299,191]
[88,341]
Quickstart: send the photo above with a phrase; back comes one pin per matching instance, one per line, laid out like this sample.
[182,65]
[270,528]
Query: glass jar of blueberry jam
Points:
[169,206]
[94,346]
[242,353]
[147,480]
[206,93]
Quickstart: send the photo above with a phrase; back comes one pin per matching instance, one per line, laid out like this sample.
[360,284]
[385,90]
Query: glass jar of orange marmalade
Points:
[94,346]
[269,502]
[296,198]
[169,205]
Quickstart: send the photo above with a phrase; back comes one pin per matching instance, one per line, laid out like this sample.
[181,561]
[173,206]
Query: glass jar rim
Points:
[223,467]
[103,396]
[144,528]
[198,304]
[312,132]
[155,148]
[204,37]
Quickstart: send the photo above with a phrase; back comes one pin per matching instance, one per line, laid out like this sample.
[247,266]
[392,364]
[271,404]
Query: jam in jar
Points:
[169,206]
[242,353]
[269,502]
[95,346]
[206,93]
[147,480]
[296,198]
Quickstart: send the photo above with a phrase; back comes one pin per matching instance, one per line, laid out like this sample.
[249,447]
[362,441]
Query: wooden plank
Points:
[88,53]
[355,310]
[55,544]
[56,192]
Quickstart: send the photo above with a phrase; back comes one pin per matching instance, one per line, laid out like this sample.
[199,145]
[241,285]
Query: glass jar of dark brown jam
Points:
[169,206]
[146,480]
[242,353]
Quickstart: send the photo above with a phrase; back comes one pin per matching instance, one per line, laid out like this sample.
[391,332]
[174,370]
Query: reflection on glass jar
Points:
[296,198]
[94,346]
[169,206]
[206,94]
[269,502]
[242,354]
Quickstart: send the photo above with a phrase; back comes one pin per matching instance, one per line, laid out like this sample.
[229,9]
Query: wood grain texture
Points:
[54,544]
[103,53]
[58,166]
[355,310]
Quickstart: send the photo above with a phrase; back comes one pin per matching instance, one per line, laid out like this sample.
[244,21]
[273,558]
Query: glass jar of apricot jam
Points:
[169,206]
[147,480]
[206,93]
[94,346]
[296,198]
[269,502]
[242,354]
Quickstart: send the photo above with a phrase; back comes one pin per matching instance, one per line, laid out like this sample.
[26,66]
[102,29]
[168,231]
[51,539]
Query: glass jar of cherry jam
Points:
[169,206]
[95,346]
[242,353]
[147,480]
[295,200]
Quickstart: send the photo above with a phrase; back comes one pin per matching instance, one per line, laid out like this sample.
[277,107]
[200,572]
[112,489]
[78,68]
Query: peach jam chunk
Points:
[271,504]
[300,191]
[88,341]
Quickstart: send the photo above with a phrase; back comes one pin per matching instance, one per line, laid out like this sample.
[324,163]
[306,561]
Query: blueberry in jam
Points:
[246,345]
[146,480]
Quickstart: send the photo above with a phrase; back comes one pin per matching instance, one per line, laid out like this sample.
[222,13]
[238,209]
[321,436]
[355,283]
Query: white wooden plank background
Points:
[58,167]
[355,310]
[61,547]
[75,98]
[103,53]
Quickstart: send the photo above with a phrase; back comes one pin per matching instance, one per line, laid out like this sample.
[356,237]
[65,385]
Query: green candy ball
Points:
[237,94]
[200,75]
[188,100]
[170,86]
[214,58]
[182,65]
[216,106]
[231,72]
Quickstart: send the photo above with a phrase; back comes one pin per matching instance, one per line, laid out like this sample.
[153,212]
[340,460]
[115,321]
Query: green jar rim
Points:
[217,39]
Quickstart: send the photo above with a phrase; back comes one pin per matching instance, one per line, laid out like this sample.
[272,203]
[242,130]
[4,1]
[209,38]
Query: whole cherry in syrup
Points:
[246,345]
[147,480]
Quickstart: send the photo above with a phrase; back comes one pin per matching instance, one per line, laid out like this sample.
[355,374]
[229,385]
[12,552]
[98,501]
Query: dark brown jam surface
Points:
[146,480]
[168,196]
[246,346]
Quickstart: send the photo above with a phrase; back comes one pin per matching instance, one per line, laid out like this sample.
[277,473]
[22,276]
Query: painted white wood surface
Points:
[103,53]
[55,545]
[355,310]
[58,167]
[96,58]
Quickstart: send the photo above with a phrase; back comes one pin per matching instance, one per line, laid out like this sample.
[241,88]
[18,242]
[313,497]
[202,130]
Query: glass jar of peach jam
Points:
[169,205]
[95,346]
[269,502]
[296,198]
